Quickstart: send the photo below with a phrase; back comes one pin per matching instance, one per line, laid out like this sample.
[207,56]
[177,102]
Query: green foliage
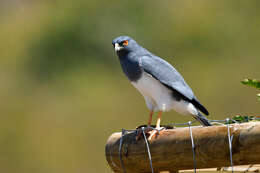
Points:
[252,83]
[246,118]
[242,119]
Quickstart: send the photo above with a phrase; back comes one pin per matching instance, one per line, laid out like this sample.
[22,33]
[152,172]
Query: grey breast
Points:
[131,68]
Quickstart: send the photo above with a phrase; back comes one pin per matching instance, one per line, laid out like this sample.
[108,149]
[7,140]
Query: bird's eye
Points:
[125,43]
[113,44]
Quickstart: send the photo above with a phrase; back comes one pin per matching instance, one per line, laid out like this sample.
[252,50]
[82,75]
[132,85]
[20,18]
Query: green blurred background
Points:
[62,89]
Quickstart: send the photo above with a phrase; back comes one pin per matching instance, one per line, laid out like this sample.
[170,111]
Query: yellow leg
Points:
[150,118]
[154,133]
[159,120]
[148,125]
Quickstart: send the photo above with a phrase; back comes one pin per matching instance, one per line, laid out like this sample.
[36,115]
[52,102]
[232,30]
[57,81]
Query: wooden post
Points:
[171,150]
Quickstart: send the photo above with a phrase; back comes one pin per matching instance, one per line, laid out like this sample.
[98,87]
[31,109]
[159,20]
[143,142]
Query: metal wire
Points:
[148,150]
[230,145]
[120,150]
[180,124]
[189,124]
[192,146]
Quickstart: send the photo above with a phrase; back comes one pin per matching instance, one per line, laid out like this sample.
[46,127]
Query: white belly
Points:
[159,97]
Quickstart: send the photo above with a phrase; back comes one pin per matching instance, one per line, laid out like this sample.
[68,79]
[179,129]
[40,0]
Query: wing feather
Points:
[170,77]
[166,74]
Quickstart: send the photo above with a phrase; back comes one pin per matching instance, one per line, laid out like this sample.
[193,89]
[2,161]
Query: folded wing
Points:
[170,77]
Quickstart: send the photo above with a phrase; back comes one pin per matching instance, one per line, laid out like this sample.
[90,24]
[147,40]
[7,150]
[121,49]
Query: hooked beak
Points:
[118,47]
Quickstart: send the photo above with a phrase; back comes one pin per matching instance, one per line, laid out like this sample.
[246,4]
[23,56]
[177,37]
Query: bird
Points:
[161,85]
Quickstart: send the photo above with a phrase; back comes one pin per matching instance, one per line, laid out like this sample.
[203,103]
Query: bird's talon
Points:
[155,133]
[160,129]
[140,133]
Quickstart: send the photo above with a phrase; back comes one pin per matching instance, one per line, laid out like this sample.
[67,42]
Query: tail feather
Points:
[203,120]
[199,106]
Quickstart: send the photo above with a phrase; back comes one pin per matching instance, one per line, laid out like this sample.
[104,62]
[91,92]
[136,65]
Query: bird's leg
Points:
[148,125]
[158,122]
[156,131]
[150,119]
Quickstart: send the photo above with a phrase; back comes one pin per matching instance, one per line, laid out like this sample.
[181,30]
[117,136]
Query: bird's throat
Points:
[122,54]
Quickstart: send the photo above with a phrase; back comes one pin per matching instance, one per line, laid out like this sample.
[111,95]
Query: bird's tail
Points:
[203,120]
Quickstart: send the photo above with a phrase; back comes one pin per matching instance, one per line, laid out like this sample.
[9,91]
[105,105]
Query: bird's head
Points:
[124,44]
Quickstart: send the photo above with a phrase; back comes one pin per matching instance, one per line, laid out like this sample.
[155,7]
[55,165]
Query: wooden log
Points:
[171,150]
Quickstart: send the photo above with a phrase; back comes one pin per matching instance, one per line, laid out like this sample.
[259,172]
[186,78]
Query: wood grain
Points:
[171,150]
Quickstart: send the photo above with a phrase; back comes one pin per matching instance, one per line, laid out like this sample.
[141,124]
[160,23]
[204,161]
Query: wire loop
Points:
[230,144]
[148,150]
[120,150]
[192,146]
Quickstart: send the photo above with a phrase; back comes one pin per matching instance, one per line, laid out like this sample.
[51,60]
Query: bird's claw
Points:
[154,133]
[140,132]
[150,133]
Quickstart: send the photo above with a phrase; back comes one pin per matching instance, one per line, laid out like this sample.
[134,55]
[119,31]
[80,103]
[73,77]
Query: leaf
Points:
[243,118]
[252,82]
